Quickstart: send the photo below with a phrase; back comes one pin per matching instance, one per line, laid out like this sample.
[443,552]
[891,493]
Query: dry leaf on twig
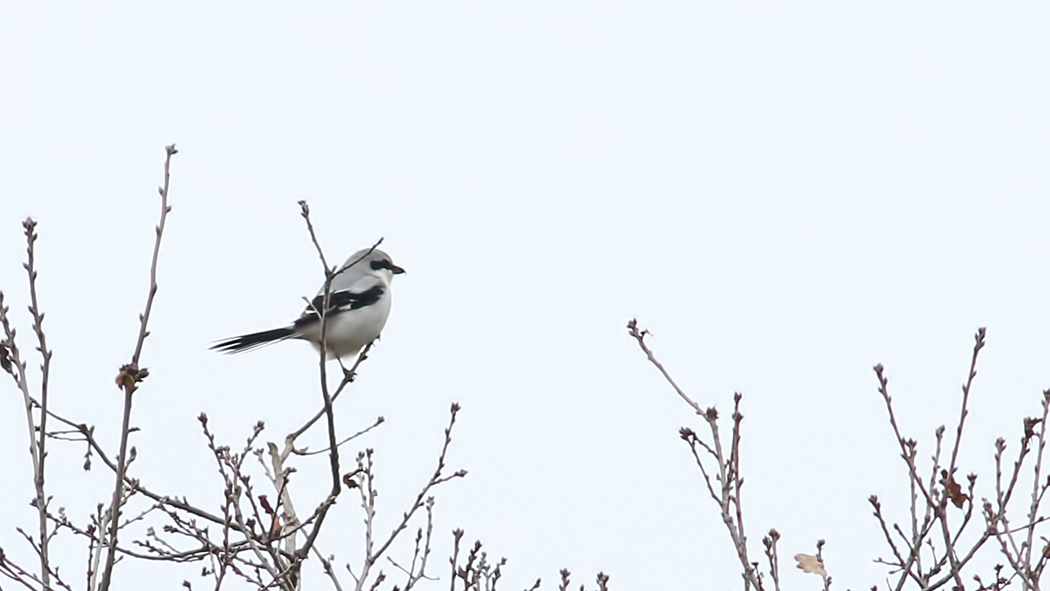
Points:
[810,564]
[953,490]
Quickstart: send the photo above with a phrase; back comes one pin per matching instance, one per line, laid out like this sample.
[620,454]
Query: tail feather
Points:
[254,340]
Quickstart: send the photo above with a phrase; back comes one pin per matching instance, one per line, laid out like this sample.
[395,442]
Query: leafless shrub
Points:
[257,536]
[477,573]
[719,463]
[943,539]
[106,524]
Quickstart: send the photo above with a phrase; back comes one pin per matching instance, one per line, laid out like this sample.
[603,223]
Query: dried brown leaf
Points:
[810,564]
[953,490]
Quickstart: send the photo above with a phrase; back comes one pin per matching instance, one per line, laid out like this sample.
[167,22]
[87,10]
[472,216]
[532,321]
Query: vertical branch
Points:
[943,487]
[333,451]
[1038,487]
[164,210]
[949,485]
[368,502]
[129,377]
[825,576]
[978,345]
[11,361]
[279,478]
[734,463]
[118,493]
[955,569]
[329,274]
[457,535]
[45,370]
[333,445]
[909,568]
[731,482]
[905,444]
[770,544]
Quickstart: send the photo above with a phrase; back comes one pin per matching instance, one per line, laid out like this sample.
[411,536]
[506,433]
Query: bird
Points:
[358,306]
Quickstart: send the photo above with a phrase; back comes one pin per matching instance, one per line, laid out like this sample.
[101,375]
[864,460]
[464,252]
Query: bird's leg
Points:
[348,374]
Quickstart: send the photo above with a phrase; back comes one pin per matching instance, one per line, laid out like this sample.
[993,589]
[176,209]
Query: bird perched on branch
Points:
[358,306]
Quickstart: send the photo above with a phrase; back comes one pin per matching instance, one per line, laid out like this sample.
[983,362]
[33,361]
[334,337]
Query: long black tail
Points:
[247,342]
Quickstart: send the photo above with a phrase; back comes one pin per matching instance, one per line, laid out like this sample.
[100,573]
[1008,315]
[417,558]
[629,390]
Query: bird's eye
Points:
[383,264]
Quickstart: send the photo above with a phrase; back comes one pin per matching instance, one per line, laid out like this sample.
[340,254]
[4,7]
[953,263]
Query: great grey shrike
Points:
[359,304]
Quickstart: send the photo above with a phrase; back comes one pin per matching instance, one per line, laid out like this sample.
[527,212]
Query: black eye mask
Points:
[385,264]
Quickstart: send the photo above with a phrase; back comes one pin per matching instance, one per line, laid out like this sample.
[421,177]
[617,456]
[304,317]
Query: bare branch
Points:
[368,496]
[45,371]
[728,475]
[130,375]
[963,412]
[378,421]
[639,335]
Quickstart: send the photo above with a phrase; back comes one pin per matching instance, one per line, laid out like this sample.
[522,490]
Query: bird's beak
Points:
[396,270]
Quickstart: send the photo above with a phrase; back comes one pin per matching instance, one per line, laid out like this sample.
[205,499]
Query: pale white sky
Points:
[785,193]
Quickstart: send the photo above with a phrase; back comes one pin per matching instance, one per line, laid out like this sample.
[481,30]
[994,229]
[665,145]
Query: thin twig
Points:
[378,421]
[913,472]
[14,365]
[88,433]
[45,371]
[963,412]
[639,335]
[333,453]
[368,495]
[770,544]
[130,375]
[1037,482]
[326,564]
[333,444]
[164,210]
[351,372]
[728,475]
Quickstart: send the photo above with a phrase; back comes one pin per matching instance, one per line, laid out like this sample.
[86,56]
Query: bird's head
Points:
[373,262]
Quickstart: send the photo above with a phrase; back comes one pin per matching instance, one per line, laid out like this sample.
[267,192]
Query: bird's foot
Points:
[348,374]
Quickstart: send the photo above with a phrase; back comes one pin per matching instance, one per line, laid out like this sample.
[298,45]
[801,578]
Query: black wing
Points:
[341,301]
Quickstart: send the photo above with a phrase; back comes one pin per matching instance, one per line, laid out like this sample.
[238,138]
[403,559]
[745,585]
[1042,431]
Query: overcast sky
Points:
[784,193]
